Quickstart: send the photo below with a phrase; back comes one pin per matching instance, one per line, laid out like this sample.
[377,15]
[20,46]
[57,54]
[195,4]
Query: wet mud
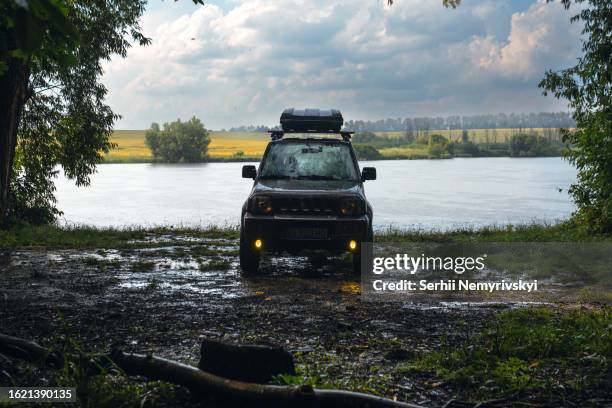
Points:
[164,296]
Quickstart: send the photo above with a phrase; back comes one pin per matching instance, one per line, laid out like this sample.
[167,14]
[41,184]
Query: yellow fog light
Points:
[258,243]
[352,244]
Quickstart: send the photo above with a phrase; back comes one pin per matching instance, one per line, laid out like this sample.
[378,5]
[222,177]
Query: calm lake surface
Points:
[430,194]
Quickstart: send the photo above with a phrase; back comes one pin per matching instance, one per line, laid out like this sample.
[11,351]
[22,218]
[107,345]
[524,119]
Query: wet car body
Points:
[305,213]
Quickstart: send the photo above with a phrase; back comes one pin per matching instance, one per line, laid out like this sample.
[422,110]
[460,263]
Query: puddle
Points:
[210,284]
[174,274]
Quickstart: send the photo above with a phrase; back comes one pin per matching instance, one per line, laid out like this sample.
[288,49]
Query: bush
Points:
[438,145]
[178,142]
[524,145]
[365,137]
[469,149]
[365,152]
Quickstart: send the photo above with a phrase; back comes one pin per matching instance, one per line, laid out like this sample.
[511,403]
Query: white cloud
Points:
[538,37]
[245,64]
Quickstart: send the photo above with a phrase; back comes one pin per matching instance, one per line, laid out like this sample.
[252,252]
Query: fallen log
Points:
[28,351]
[245,362]
[208,384]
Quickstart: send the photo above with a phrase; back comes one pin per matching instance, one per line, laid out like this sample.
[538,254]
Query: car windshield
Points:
[307,160]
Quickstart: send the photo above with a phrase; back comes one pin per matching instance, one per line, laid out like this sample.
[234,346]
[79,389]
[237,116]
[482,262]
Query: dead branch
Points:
[202,382]
[28,351]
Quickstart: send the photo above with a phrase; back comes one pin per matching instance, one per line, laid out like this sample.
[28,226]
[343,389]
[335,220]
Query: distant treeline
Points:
[521,121]
[497,121]
[405,145]
[250,128]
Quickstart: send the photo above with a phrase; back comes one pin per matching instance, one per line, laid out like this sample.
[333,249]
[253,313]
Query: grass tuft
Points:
[527,349]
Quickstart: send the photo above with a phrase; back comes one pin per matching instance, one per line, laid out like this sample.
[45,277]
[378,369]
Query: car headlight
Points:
[350,206]
[261,205]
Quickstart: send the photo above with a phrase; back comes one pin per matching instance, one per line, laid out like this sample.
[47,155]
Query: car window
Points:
[309,161]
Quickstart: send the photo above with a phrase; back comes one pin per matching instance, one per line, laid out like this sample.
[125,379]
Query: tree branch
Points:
[199,381]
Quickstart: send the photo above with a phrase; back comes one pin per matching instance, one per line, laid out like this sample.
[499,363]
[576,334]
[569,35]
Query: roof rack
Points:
[325,121]
[279,134]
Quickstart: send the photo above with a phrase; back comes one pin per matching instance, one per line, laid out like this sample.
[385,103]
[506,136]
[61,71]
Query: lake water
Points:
[430,194]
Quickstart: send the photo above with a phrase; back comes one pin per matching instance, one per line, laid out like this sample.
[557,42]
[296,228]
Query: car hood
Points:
[307,185]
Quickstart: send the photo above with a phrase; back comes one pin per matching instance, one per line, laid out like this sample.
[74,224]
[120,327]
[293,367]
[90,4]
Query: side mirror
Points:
[249,171]
[368,173]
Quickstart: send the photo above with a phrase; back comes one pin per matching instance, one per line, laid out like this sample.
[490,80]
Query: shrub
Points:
[438,145]
[464,149]
[365,137]
[178,142]
[365,152]
[525,145]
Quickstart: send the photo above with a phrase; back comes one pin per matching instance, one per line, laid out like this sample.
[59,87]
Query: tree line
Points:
[489,121]
[520,121]
[367,145]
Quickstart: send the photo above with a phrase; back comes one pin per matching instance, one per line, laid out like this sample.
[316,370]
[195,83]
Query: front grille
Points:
[323,206]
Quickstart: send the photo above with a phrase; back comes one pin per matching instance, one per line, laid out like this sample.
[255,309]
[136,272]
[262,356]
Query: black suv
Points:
[308,192]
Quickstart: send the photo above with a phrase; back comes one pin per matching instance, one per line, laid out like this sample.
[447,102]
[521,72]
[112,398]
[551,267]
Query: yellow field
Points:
[227,144]
[131,145]
[480,135]
[415,151]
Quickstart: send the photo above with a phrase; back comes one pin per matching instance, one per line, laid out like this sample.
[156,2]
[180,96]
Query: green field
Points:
[239,145]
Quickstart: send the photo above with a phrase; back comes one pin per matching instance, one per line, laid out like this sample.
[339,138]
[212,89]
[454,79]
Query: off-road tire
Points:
[357,254]
[249,258]
[357,263]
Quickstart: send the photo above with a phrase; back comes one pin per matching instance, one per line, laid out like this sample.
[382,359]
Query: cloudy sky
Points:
[240,62]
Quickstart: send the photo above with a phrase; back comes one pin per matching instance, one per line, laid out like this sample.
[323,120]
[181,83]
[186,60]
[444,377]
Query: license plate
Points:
[306,233]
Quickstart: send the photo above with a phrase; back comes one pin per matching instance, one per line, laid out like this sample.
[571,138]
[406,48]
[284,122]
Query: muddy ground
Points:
[164,294]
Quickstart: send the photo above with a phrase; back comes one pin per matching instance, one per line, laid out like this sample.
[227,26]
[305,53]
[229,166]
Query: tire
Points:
[357,263]
[357,254]
[249,258]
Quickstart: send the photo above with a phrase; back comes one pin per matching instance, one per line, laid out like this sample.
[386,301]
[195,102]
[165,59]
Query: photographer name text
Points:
[445,285]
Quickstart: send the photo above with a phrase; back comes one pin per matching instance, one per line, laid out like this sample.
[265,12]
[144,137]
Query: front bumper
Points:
[333,233]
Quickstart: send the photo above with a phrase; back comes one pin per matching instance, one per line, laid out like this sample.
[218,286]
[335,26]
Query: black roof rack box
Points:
[311,120]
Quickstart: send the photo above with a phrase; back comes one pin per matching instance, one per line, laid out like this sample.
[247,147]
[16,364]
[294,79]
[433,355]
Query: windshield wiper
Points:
[275,177]
[318,177]
[306,177]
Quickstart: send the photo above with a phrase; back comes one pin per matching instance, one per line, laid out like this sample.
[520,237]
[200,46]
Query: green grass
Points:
[99,383]
[93,237]
[562,232]
[53,236]
[527,349]
[313,370]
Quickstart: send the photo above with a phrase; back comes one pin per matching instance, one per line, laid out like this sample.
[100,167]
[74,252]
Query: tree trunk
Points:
[13,87]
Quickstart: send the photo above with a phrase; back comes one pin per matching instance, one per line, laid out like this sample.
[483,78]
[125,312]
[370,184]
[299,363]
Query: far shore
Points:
[245,159]
[228,146]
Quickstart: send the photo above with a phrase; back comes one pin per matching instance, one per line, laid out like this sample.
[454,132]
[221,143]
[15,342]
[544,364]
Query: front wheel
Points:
[357,263]
[249,258]
[357,254]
